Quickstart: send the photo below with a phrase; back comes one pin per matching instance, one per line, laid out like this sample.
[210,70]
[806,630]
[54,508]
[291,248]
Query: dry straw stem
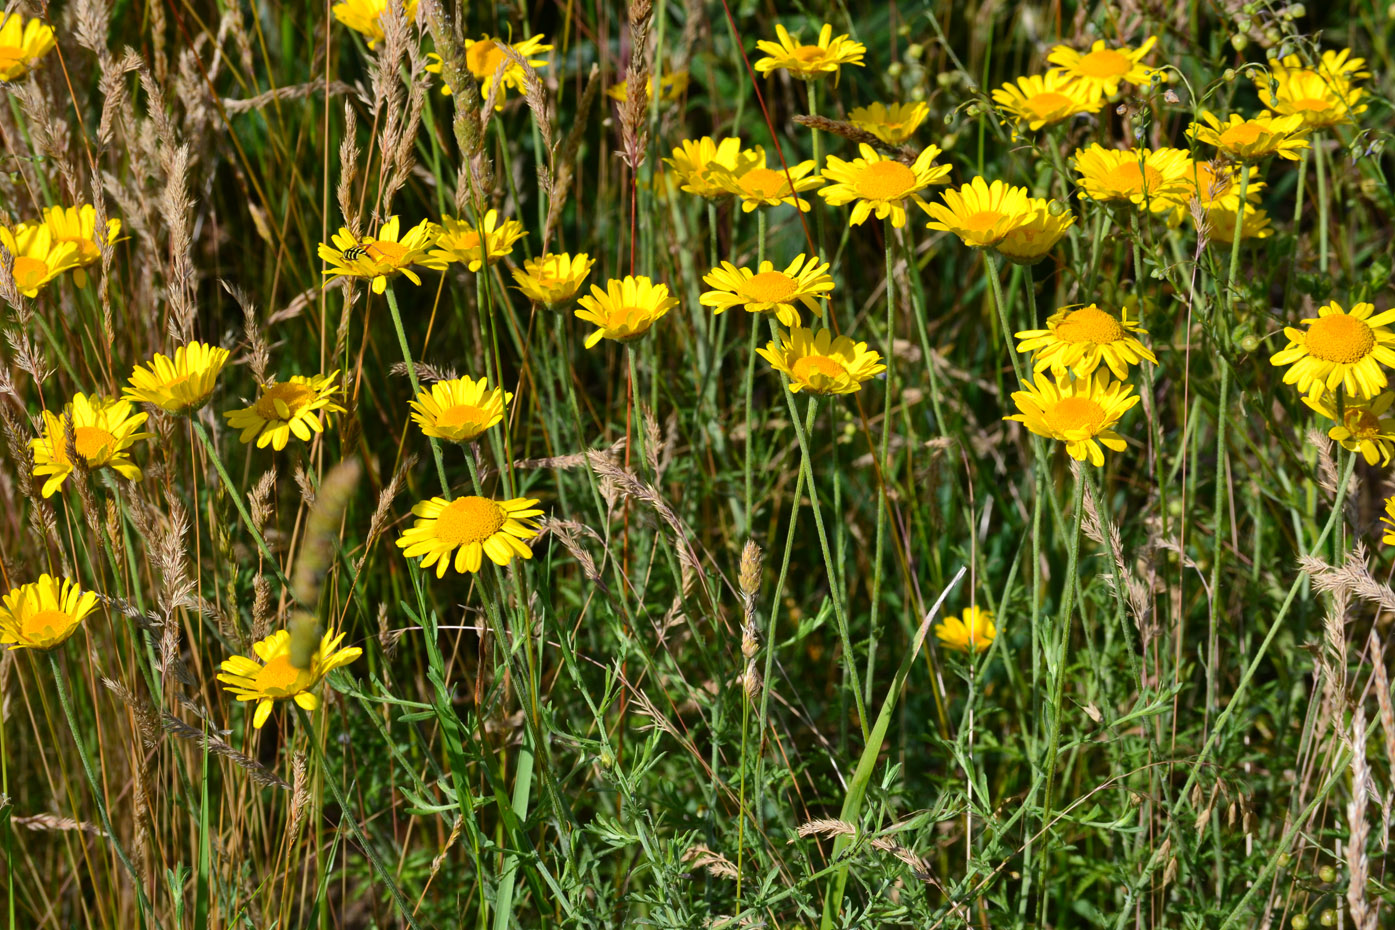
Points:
[634,134]
[564,165]
[53,822]
[1352,578]
[294,92]
[902,153]
[1363,915]
[702,857]
[258,772]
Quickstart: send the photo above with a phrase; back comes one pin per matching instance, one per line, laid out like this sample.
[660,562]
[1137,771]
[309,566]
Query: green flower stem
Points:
[1320,160]
[888,235]
[1297,219]
[751,381]
[416,385]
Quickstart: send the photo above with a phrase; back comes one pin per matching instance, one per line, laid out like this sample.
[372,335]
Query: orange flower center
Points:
[279,675]
[45,623]
[1089,324]
[483,59]
[982,221]
[469,520]
[291,396]
[1246,133]
[885,180]
[1128,178]
[90,441]
[769,287]
[808,54]
[460,415]
[1044,106]
[810,365]
[1073,414]
[10,55]
[1106,63]
[1312,104]
[30,272]
[391,253]
[766,183]
[1340,338]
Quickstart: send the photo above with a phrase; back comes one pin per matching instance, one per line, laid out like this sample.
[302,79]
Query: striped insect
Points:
[354,253]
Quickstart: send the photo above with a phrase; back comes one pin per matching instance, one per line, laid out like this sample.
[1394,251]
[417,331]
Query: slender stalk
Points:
[1320,160]
[751,380]
[416,385]
[888,234]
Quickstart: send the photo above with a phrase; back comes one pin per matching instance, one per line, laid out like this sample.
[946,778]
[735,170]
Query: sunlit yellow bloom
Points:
[460,241]
[759,186]
[1149,178]
[672,85]
[1213,184]
[181,384]
[470,527]
[1339,347]
[271,677]
[459,410]
[1080,339]
[827,56]
[1241,139]
[104,429]
[1323,97]
[1362,426]
[1028,242]
[22,44]
[44,613]
[1039,100]
[285,408]
[37,258]
[379,257]
[1102,68]
[817,362]
[364,17]
[552,279]
[805,281]
[626,309]
[981,214]
[893,123]
[974,633]
[880,186]
[1220,223]
[1389,521]
[1080,412]
[696,160]
[78,225]
[483,57]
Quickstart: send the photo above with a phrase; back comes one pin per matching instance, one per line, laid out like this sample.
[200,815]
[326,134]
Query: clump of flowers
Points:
[298,407]
[104,429]
[44,613]
[270,676]
[181,384]
[1103,69]
[1080,412]
[1248,140]
[379,257]
[893,123]
[826,56]
[475,246]
[626,309]
[1342,348]
[77,225]
[1153,179]
[816,361]
[459,410]
[470,528]
[672,86]
[804,281]
[697,161]
[484,55]
[1322,97]
[365,17]
[553,279]
[22,43]
[759,186]
[880,186]
[1361,424]
[1038,100]
[981,214]
[38,259]
[1081,339]
[1220,223]
[1031,240]
[975,632]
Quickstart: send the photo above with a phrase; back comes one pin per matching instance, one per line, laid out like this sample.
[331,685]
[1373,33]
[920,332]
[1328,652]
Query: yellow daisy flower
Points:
[759,186]
[974,633]
[460,241]
[672,85]
[483,57]
[1324,97]
[1220,222]
[1104,69]
[1362,426]
[981,214]
[626,309]
[22,44]
[1080,339]
[1039,100]
[471,527]
[817,362]
[1151,178]
[78,225]
[893,123]
[1339,347]
[880,185]
[552,279]
[1242,140]
[104,429]
[695,161]
[827,56]
[1028,243]
[767,290]
[1389,521]
[460,409]
[380,257]
[363,17]
[1080,412]
[271,677]
[44,613]
[1215,184]
[285,408]
[37,258]
[181,384]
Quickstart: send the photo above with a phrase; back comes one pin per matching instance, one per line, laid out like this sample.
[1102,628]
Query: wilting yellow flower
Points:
[893,123]
[460,241]
[43,613]
[471,527]
[672,85]
[1339,347]
[974,633]
[1389,521]
[104,429]
[880,185]
[769,291]
[271,677]
[285,408]
[364,17]
[1213,184]
[1039,100]
[181,384]
[460,409]
[380,257]
[827,56]
[1028,242]
[1220,222]
[817,362]
[22,44]
[551,279]
[1149,178]
[759,186]
[1080,339]
[1104,69]
[37,258]
[1241,139]
[981,214]
[1323,97]
[626,309]
[77,225]
[483,57]
[1362,426]
[695,162]
[1080,412]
